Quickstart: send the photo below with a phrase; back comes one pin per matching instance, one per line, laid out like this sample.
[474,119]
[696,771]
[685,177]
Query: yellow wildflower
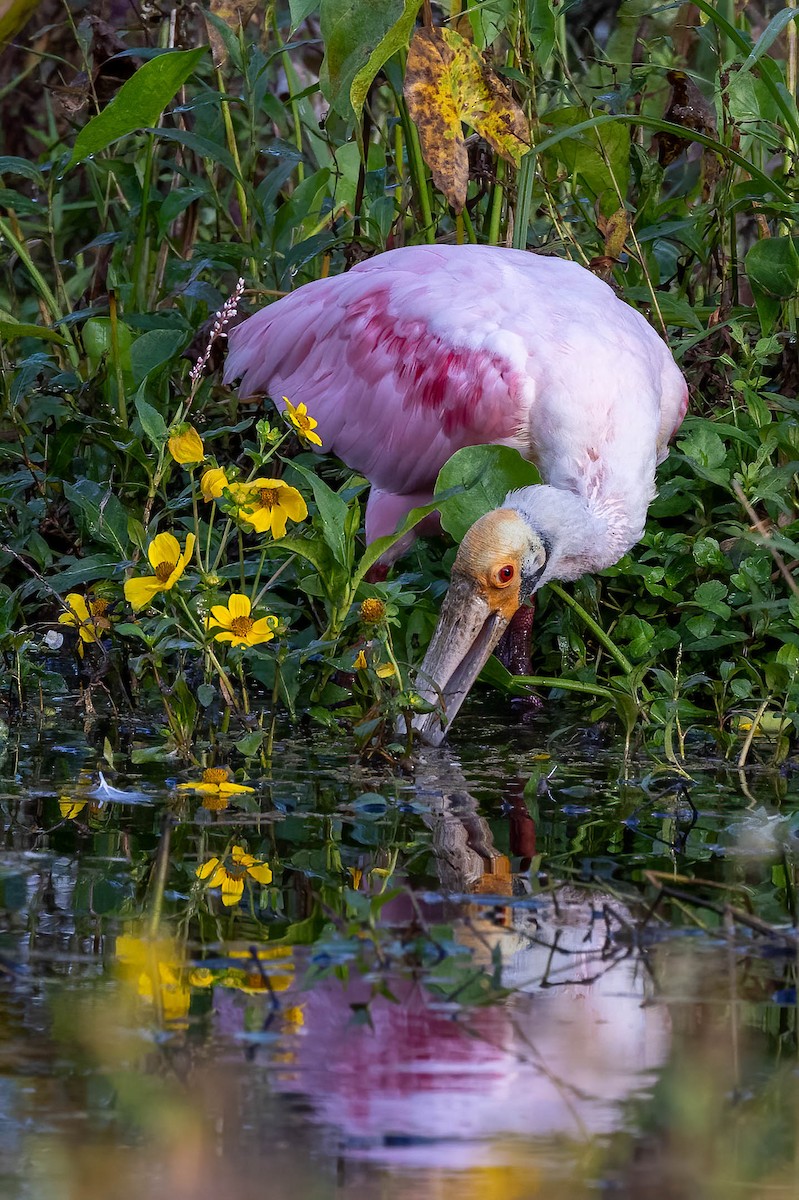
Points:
[87,617]
[230,874]
[168,564]
[267,503]
[360,663]
[186,445]
[372,610]
[213,483]
[237,626]
[215,786]
[385,671]
[304,424]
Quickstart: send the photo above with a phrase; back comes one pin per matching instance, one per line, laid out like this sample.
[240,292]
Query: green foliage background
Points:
[143,174]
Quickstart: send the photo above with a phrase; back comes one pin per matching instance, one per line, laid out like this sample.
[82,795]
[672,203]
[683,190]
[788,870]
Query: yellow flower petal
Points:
[207,868]
[262,630]
[226,788]
[213,483]
[140,590]
[241,857]
[239,605]
[164,548]
[360,663]
[70,808]
[385,671]
[293,504]
[220,616]
[232,890]
[261,873]
[186,445]
[79,610]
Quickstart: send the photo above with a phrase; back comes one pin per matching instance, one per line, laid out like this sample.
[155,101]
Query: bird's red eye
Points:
[505,574]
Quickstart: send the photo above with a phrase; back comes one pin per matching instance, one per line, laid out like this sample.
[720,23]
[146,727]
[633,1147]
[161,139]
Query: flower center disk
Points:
[241,626]
[163,571]
[269,497]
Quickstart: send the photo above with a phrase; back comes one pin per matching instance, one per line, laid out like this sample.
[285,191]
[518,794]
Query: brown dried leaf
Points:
[234,13]
[689,108]
[448,83]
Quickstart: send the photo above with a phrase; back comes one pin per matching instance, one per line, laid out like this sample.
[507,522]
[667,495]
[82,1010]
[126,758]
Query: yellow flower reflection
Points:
[213,483]
[267,504]
[230,875]
[186,445]
[304,424]
[216,786]
[168,564]
[236,624]
[251,977]
[87,616]
[154,969]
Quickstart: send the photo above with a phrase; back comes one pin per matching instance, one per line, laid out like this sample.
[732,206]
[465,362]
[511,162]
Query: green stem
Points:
[597,630]
[495,215]
[140,250]
[565,685]
[50,302]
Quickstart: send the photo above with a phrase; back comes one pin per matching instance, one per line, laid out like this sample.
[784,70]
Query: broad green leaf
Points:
[485,475]
[600,157]
[139,102]
[352,31]
[153,349]
[104,517]
[395,39]
[332,511]
[300,9]
[152,422]
[772,266]
[540,22]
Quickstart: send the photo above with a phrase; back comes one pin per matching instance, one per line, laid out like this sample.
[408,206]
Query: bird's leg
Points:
[515,646]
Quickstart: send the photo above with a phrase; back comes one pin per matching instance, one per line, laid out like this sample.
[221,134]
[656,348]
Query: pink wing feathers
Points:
[395,390]
[420,351]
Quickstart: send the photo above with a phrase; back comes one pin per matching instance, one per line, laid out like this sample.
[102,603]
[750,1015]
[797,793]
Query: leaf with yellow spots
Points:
[447,83]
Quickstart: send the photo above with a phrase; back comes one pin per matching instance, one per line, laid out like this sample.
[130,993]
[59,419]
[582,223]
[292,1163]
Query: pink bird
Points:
[419,352]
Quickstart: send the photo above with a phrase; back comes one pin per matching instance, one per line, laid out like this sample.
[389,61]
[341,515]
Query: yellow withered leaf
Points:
[448,83]
[615,230]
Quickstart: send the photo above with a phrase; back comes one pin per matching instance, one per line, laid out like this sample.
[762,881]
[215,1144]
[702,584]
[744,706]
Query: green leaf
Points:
[139,102]
[18,329]
[104,517]
[355,35]
[9,165]
[484,475]
[152,422]
[332,511]
[153,349]
[300,9]
[772,266]
[598,156]
[395,39]
[539,17]
[769,35]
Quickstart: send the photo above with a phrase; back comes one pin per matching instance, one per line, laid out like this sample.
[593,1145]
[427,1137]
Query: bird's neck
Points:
[580,536]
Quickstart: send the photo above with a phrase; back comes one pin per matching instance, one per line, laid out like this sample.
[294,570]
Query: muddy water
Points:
[461,983]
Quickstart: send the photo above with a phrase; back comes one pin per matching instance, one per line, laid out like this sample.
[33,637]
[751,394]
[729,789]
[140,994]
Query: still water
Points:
[522,968]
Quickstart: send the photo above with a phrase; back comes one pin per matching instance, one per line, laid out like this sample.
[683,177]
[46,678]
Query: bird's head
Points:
[500,563]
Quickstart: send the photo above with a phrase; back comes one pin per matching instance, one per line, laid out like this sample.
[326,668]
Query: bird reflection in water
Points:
[430,1081]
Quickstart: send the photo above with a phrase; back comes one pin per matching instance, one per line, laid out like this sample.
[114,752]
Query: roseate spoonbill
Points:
[420,351]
